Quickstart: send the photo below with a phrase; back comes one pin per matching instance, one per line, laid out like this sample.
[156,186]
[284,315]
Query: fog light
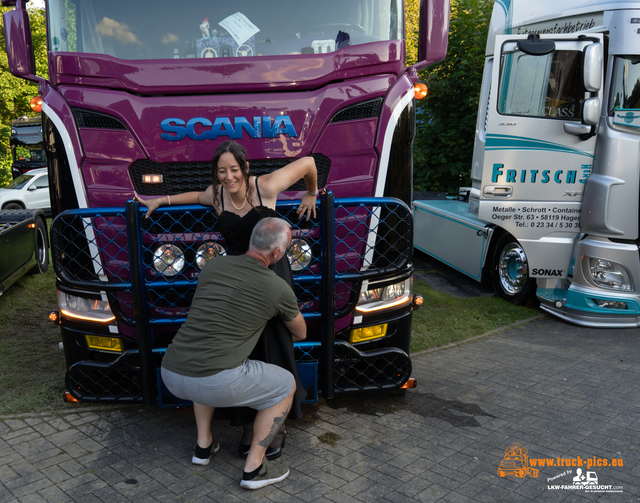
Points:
[610,275]
[104,343]
[367,333]
[54,316]
[207,251]
[299,254]
[168,260]
[610,304]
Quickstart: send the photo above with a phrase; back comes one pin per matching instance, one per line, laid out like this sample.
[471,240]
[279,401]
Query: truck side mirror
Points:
[19,46]
[590,114]
[434,32]
[593,59]
[591,111]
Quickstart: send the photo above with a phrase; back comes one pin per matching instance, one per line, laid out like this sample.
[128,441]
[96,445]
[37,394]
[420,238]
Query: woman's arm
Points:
[275,182]
[205,198]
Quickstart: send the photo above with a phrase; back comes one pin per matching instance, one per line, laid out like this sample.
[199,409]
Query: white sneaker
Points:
[203,456]
[270,473]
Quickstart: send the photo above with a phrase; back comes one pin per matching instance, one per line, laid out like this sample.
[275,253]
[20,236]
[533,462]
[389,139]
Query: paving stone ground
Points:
[558,390]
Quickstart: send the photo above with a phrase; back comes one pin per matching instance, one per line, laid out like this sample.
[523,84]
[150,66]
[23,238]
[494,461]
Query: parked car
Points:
[29,191]
[23,245]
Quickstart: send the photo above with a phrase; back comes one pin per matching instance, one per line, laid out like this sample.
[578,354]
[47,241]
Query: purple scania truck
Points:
[138,97]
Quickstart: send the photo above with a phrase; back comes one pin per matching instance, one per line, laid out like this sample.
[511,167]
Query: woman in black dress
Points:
[240,201]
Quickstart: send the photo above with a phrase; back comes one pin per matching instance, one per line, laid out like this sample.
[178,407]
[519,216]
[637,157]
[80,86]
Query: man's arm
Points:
[297,327]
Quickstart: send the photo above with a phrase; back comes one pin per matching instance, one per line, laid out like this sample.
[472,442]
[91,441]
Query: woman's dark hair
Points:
[240,155]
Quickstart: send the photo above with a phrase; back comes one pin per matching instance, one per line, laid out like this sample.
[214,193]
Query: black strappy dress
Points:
[275,345]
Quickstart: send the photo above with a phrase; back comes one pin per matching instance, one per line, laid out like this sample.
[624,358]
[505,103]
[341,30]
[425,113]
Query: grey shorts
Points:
[253,384]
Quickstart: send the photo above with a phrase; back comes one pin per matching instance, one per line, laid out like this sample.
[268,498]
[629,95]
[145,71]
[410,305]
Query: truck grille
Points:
[366,110]
[87,118]
[196,176]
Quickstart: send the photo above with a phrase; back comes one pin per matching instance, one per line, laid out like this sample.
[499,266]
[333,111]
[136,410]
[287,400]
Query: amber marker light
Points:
[55,317]
[69,398]
[411,383]
[36,104]
[420,90]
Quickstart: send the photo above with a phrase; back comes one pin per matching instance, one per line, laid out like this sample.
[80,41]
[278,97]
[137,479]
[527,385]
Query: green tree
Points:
[412,27]
[17,93]
[443,148]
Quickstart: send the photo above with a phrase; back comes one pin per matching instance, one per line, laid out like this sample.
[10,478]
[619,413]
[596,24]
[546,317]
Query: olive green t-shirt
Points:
[235,298]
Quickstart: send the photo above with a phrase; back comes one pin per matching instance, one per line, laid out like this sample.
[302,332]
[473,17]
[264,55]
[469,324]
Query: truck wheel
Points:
[13,206]
[510,271]
[41,246]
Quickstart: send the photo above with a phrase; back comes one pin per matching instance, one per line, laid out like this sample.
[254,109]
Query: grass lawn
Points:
[444,319]
[31,363]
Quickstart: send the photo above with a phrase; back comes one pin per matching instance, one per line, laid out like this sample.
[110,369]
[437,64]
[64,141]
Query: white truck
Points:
[553,209]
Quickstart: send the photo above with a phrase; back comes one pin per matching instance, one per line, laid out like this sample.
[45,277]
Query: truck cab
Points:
[552,210]
[138,97]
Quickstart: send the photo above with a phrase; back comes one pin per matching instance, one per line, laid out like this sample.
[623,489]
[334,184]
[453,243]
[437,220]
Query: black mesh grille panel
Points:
[365,110]
[192,176]
[97,120]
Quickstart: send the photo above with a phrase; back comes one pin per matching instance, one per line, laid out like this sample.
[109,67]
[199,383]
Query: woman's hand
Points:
[307,206]
[152,204]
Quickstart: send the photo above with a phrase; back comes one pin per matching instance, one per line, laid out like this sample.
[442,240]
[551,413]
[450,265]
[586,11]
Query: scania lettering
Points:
[557,141]
[261,127]
[139,96]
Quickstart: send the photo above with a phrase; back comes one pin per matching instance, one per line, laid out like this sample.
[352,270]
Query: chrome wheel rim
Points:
[513,269]
[41,246]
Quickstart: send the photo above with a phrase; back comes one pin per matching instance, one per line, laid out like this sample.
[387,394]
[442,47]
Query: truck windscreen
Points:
[26,153]
[164,29]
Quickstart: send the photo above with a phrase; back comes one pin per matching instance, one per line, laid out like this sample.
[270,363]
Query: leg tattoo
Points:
[277,422]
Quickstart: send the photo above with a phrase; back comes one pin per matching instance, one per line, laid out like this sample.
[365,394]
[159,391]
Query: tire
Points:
[41,246]
[510,272]
[13,206]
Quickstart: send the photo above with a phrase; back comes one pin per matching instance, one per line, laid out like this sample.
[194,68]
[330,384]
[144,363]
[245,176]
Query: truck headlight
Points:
[82,308]
[207,251]
[299,254]
[376,298]
[168,260]
[610,275]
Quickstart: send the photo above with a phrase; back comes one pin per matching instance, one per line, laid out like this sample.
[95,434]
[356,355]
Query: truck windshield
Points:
[548,86]
[625,88]
[161,29]
[28,153]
